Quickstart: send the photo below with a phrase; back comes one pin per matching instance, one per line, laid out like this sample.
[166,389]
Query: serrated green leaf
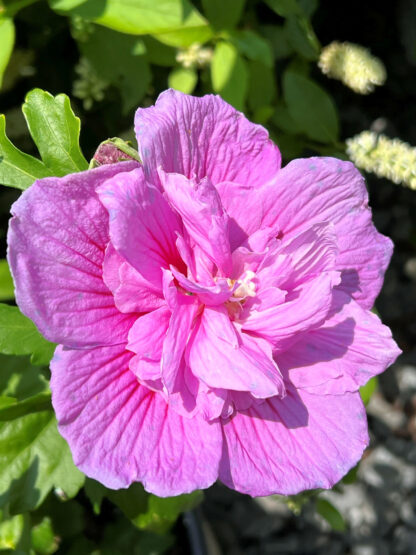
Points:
[331,515]
[367,390]
[183,79]
[6,282]
[34,458]
[177,21]
[312,109]
[229,74]
[302,38]
[120,60]
[284,8]
[253,46]
[7,35]
[55,131]
[223,14]
[19,336]
[18,169]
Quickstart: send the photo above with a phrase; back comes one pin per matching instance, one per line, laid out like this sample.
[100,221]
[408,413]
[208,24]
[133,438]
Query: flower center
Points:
[246,288]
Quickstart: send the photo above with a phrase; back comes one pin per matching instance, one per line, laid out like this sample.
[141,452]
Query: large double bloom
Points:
[212,309]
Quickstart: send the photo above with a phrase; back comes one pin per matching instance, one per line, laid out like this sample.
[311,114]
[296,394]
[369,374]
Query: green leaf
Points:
[120,60]
[13,6]
[277,38]
[14,409]
[351,476]
[253,46]
[284,8]
[55,130]
[34,458]
[367,390]
[331,515]
[158,53]
[260,96]
[302,38]
[162,513]
[146,511]
[223,14]
[19,336]
[7,35]
[17,169]
[309,7]
[229,74]
[284,120]
[179,22]
[11,531]
[312,109]
[19,380]
[183,79]
[6,282]
[44,540]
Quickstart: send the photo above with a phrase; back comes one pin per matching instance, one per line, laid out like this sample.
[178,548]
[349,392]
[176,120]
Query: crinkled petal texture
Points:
[212,308]
[128,432]
[57,240]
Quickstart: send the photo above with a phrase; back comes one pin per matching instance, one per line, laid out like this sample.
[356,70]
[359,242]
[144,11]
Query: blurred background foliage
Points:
[266,58]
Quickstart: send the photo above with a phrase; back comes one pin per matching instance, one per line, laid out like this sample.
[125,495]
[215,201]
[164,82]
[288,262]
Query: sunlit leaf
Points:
[6,282]
[176,21]
[55,130]
[367,390]
[183,79]
[19,336]
[34,458]
[18,169]
[229,74]
[7,35]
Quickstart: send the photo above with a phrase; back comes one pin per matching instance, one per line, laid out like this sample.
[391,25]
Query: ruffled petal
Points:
[299,259]
[131,291]
[142,226]
[174,345]
[350,348]
[199,206]
[203,137]
[57,239]
[215,294]
[300,442]
[305,308]
[223,358]
[120,432]
[313,190]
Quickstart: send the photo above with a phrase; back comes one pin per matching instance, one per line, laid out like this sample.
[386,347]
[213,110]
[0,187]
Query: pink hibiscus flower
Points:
[212,309]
